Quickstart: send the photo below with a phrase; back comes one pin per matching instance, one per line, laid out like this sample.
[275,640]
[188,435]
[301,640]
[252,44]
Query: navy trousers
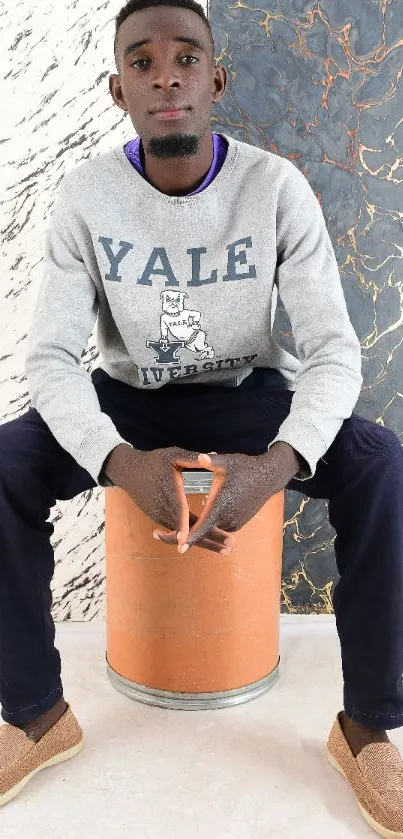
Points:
[361,476]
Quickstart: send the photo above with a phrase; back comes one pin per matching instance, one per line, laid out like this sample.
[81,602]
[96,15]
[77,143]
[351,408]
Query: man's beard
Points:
[175,145]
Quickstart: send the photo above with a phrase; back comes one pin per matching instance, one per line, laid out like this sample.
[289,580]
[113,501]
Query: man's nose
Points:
[166,78]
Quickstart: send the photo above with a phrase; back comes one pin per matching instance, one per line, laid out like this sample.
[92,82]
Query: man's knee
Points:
[373,439]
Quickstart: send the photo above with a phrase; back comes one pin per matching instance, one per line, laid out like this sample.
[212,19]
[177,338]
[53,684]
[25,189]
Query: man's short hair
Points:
[136,6]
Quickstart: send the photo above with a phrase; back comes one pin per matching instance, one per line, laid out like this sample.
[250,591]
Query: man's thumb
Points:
[214,464]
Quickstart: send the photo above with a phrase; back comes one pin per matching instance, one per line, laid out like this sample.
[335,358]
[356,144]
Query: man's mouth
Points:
[170,113]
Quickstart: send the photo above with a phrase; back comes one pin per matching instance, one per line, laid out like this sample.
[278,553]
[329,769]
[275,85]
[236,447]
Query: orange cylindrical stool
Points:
[194,631]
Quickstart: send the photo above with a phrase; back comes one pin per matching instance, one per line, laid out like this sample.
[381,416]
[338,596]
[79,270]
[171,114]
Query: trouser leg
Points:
[363,481]
[35,471]
[30,666]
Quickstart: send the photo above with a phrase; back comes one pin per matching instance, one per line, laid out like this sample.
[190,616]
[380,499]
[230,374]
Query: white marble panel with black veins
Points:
[56,112]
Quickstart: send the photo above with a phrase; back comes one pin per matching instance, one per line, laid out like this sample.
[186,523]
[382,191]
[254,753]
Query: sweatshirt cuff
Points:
[95,449]
[306,440]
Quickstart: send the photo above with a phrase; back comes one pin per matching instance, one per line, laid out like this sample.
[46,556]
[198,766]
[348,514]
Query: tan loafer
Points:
[376,776]
[21,757]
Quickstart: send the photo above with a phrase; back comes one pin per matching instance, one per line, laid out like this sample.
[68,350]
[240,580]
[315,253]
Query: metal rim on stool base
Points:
[191,701]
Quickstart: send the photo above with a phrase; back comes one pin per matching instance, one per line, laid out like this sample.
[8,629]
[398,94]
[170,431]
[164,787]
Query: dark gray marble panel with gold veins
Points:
[321,84]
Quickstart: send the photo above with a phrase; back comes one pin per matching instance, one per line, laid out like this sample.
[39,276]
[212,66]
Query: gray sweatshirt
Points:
[184,289]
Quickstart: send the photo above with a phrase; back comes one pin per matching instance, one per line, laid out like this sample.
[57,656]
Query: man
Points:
[178,242]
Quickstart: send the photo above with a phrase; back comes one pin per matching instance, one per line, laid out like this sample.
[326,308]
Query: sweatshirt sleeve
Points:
[66,309]
[329,380]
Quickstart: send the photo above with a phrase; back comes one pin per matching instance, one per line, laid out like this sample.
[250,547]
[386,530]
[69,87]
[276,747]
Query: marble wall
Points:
[56,112]
[321,84]
[317,82]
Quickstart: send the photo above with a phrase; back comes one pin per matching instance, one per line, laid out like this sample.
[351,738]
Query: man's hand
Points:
[241,486]
[154,480]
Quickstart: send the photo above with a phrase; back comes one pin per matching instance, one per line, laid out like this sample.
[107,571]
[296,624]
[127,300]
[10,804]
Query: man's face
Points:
[166,71]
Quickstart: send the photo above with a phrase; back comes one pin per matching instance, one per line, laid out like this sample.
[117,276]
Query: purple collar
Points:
[134,153]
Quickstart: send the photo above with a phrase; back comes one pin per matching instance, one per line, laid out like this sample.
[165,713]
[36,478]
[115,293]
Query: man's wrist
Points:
[290,459]
[117,465]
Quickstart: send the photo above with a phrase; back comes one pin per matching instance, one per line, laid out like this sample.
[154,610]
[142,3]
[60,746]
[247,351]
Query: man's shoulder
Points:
[97,167]
[277,168]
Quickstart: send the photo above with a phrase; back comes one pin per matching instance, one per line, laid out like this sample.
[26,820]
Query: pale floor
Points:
[253,771]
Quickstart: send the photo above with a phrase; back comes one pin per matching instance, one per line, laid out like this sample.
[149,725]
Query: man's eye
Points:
[134,63]
[137,62]
[193,57]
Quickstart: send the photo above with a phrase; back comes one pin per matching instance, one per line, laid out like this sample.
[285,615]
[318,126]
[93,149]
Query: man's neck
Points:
[179,176]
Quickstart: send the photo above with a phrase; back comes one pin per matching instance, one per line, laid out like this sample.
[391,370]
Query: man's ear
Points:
[220,83]
[115,89]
